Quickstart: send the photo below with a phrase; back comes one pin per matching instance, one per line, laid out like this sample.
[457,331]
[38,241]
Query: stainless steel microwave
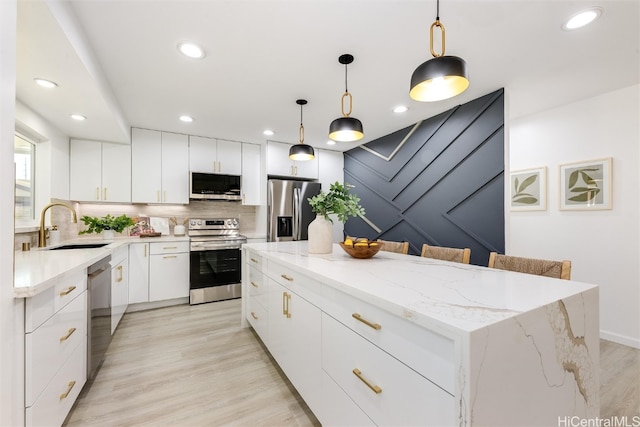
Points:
[211,186]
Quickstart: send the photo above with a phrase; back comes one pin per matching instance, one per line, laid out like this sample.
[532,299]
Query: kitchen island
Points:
[405,340]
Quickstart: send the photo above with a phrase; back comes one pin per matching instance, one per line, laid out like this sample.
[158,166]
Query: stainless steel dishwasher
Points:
[99,315]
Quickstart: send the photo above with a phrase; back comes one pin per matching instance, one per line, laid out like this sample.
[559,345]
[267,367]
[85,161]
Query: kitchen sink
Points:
[79,246]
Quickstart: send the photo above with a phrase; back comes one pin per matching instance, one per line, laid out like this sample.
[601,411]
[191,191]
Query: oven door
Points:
[215,274]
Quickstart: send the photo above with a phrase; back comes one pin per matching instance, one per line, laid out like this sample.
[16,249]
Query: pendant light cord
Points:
[301,131]
[345,78]
[437,10]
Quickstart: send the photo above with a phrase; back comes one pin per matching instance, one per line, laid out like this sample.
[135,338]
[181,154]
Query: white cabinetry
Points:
[55,350]
[252,186]
[215,156]
[138,272]
[168,270]
[99,172]
[119,285]
[279,163]
[257,300]
[159,167]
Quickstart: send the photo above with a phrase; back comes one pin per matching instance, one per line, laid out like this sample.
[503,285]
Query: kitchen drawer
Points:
[303,285]
[58,397]
[51,344]
[161,248]
[429,353]
[404,397]
[254,260]
[41,307]
[257,284]
[257,317]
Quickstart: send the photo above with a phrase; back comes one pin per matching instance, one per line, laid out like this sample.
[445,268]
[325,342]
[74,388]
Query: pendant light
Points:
[345,128]
[442,76]
[301,151]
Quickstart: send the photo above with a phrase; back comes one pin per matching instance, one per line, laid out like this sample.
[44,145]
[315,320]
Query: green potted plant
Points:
[338,201]
[108,224]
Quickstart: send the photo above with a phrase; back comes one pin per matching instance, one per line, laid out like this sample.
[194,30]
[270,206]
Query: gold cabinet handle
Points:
[170,247]
[105,193]
[164,196]
[69,333]
[158,196]
[288,300]
[375,326]
[119,279]
[373,387]
[254,284]
[254,260]
[97,193]
[286,297]
[67,291]
[69,388]
[145,251]
[170,256]
[285,277]
[254,315]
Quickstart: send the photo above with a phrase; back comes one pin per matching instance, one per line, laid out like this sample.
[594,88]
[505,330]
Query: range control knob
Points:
[192,222]
[234,222]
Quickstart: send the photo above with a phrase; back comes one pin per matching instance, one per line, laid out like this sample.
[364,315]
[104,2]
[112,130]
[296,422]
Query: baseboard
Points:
[141,306]
[620,339]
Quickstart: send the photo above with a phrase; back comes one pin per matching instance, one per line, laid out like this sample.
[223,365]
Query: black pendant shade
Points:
[439,78]
[345,128]
[301,151]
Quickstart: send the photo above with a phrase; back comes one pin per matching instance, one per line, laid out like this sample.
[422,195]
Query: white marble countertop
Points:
[40,268]
[450,296]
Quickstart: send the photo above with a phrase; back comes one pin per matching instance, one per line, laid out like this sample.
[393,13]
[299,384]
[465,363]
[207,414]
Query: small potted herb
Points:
[108,225]
[337,201]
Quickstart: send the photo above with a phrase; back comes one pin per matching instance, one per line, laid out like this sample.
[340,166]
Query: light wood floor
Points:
[194,366]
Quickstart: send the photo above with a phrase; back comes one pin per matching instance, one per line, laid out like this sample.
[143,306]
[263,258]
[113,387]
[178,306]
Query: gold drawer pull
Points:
[67,291]
[286,297]
[254,315]
[69,333]
[254,260]
[170,256]
[170,247]
[254,284]
[69,388]
[285,277]
[375,326]
[375,388]
[119,279]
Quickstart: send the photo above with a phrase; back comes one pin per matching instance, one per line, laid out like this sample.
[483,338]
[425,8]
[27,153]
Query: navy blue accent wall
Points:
[439,182]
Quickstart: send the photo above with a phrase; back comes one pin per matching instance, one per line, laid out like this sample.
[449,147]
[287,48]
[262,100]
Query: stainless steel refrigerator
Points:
[289,212]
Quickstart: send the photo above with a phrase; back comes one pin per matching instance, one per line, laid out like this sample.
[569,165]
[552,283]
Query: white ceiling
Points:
[116,61]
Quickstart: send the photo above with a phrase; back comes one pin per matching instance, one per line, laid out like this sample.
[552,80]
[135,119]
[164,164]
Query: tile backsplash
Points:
[196,209]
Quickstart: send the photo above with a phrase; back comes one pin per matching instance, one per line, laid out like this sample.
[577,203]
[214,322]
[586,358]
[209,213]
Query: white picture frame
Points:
[528,189]
[586,185]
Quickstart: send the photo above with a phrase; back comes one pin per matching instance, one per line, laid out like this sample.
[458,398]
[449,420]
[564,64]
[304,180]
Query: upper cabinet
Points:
[159,167]
[211,155]
[251,185]
[279,163]
[99,172]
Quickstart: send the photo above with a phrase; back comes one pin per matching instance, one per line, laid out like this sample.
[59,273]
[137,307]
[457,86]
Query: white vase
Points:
[108,234]
[320,236]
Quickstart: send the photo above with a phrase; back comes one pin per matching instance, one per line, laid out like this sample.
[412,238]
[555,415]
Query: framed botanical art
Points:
[586,185]
[529,189]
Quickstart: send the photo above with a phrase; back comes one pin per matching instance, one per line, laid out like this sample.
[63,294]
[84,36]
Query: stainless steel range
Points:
[215,259]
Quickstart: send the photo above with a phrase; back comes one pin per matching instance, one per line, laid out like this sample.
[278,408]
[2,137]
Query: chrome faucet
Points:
[43,235]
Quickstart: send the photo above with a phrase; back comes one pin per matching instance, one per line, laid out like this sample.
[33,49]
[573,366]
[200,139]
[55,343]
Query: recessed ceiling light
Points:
[186,119]
[331,142]
[582,18]
[400,109]
[46,83]
[78,117]
[191,50]
[268,132]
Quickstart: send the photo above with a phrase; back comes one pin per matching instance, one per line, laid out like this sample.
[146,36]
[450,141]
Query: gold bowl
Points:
[361,252]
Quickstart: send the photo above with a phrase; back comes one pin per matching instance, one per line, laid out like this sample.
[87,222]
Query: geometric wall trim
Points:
[440,181]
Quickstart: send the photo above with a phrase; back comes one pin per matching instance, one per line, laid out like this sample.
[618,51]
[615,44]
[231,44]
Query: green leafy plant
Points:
[337,201]
[108,222]
[521,196]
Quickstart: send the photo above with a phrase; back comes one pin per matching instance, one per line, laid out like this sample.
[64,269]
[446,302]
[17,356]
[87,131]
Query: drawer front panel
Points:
[429,353]
[50,345]
[168,247]
[257,284]
[254,260]
[68,289]
[388,391]
[302,285]
[257,317]
[56,400]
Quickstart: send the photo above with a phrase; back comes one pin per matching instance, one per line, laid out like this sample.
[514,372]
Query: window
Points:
[24,158]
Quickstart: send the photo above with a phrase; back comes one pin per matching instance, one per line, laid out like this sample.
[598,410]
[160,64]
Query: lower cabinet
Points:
[55,350]
[168,270]
[119,285]
[138,272]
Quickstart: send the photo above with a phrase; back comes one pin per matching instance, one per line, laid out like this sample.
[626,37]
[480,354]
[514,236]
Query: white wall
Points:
[603,246]
[11,310]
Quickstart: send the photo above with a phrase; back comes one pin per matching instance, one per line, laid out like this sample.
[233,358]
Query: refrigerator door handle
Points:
[296,214]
